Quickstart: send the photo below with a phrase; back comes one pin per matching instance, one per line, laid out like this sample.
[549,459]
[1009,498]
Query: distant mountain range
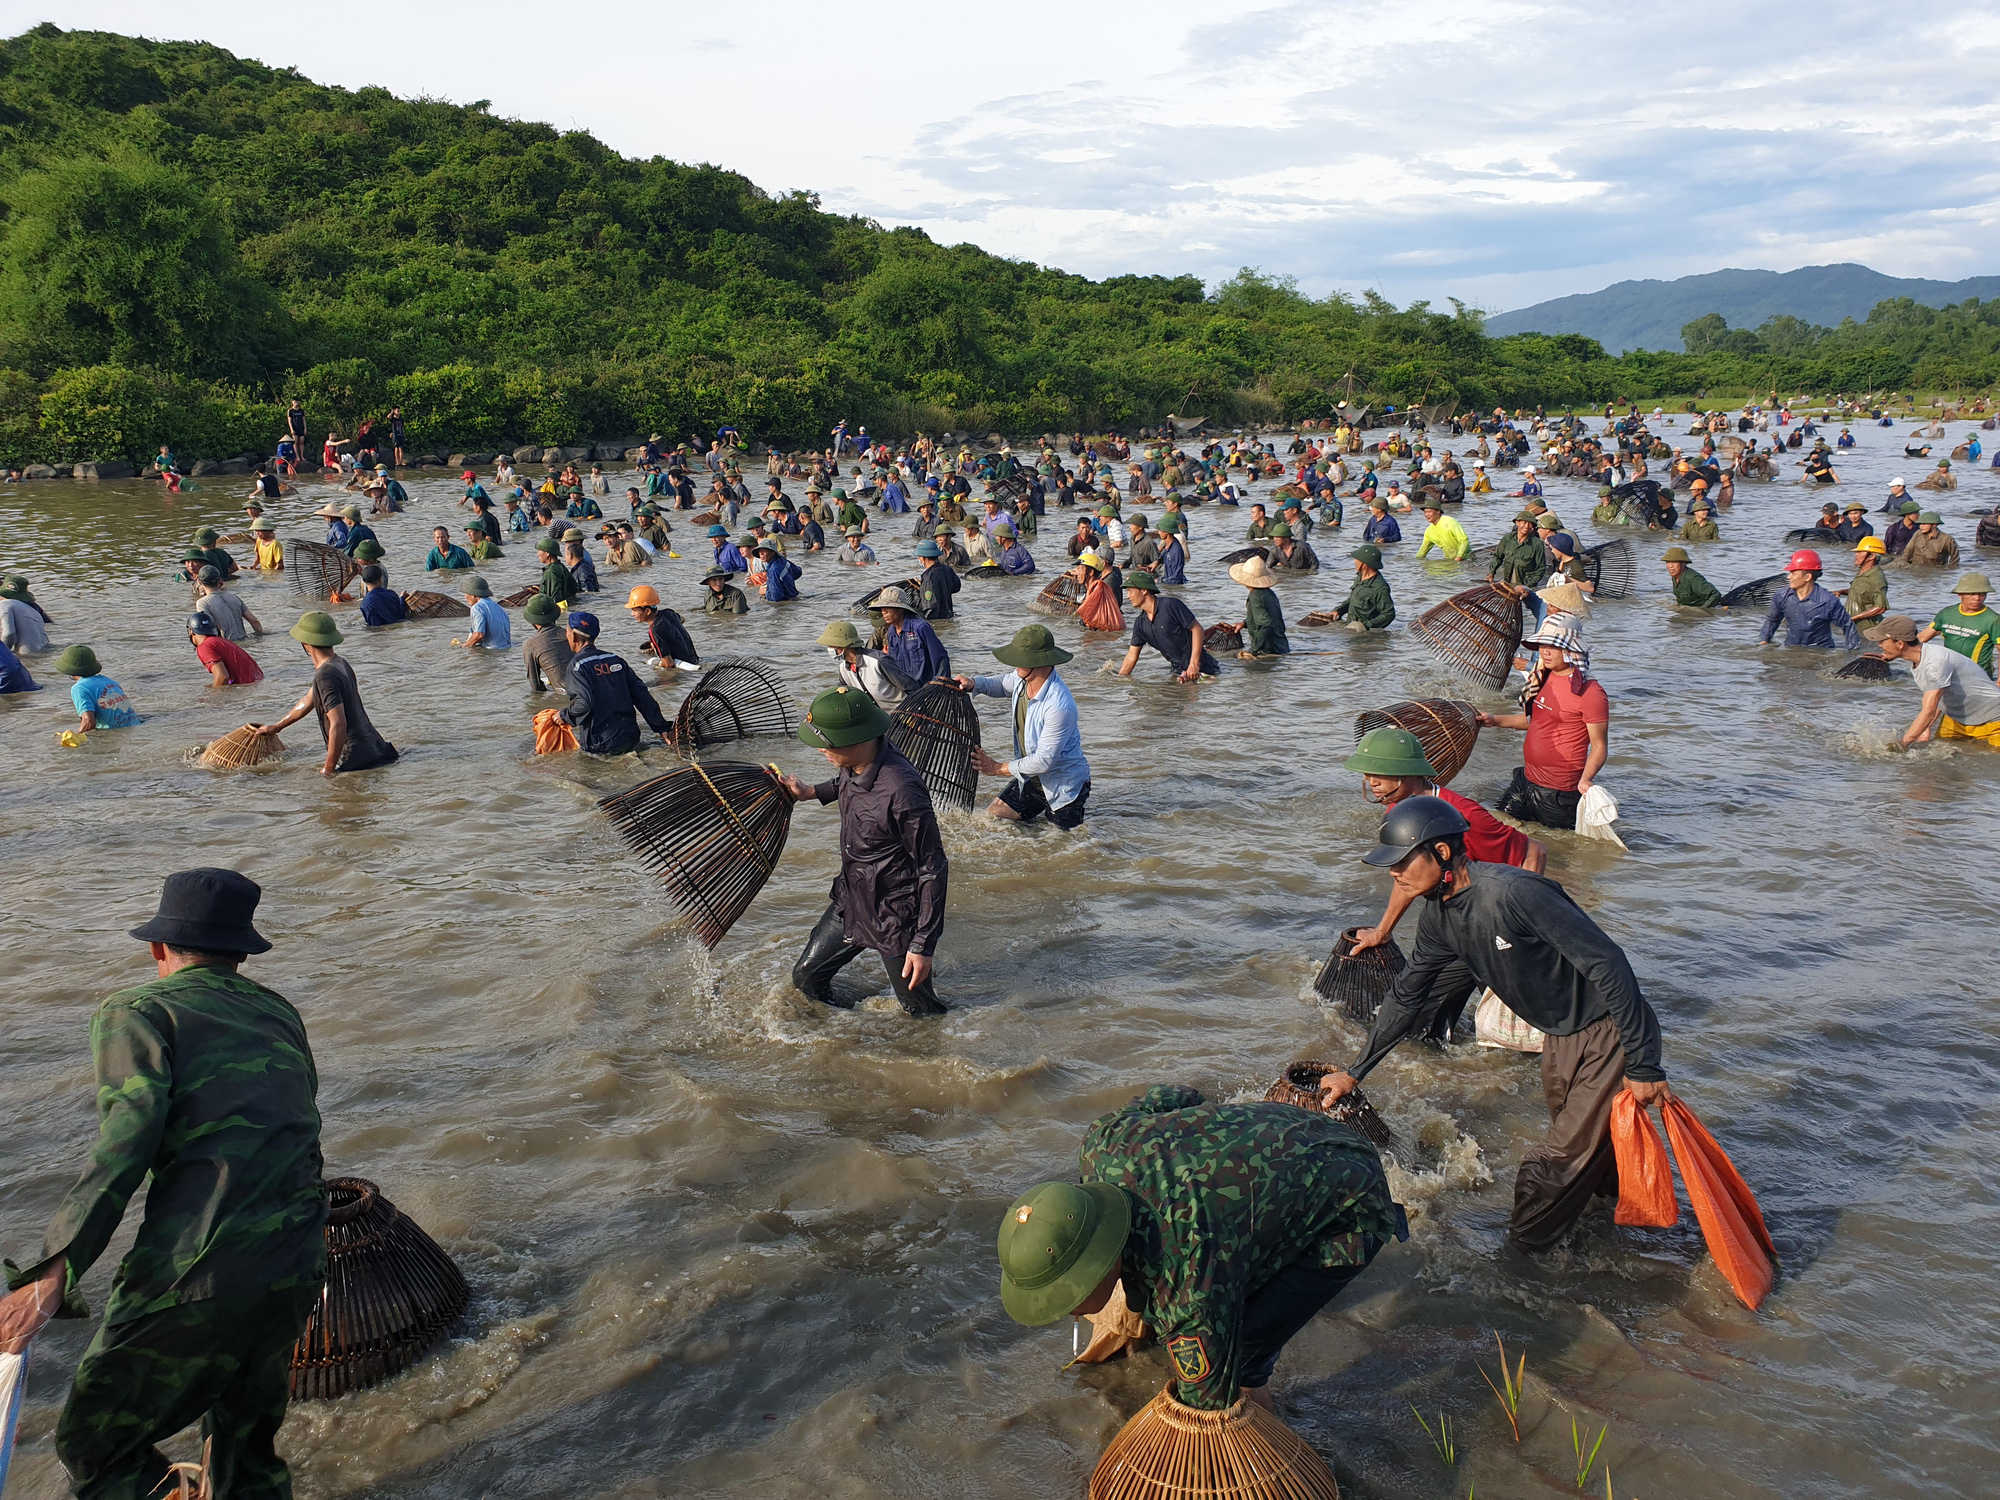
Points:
[1649,314]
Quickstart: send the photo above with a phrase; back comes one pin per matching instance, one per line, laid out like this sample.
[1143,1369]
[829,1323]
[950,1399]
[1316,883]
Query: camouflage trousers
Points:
[226,1361]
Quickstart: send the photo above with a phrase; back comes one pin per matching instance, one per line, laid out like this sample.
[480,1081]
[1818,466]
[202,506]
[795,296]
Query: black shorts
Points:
[1030,802]
[1547,805]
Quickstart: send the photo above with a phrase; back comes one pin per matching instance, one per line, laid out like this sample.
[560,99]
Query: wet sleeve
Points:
[1542,908]
[1774,616]
[134,1094]
[643,700]
[1055,728]
[917,831]
[1409,1004]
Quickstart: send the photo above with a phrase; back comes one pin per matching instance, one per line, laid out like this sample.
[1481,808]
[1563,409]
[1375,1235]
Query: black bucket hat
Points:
[208,910]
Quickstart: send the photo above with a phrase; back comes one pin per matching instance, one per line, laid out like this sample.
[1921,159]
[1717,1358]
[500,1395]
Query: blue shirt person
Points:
[909,641]
[14,675]
[1381,527]
[1809,613]
[781,575]
[100,703]
[489,621]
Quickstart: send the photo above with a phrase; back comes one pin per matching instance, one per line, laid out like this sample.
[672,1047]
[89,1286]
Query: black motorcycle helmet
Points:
[1413,823]
[201,622]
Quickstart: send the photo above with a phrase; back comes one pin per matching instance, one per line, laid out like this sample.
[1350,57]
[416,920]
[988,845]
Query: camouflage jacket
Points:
[1224,1196]
[205,1081]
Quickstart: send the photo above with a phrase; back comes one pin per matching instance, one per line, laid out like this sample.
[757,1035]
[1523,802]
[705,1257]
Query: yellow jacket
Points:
[1448,537]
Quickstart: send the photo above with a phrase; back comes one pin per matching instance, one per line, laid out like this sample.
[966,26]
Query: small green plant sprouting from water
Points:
[1440,1436]
[1508,1392]
[1584,1463]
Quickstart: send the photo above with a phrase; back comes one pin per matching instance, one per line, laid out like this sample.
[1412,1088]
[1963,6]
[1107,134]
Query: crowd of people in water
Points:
[1221,1229]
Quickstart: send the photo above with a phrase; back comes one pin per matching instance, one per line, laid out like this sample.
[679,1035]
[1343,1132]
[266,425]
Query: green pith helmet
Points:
[316,628]
[1058,1241]
[1930,518]
[1141,580]
[1676,554]
[1973,583]
[540,610]
[1390,751]
[842,716]
[1033,646]
[840,636]
[205,537]
[77,661]
[368,551]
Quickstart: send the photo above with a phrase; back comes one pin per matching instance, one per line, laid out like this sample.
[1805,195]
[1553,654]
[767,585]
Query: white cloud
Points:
[1503,152]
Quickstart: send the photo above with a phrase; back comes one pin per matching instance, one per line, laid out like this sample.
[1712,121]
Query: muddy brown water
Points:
[723,1242]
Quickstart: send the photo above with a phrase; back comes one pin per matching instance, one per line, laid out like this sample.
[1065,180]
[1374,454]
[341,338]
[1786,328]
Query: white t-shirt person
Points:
[1968,694]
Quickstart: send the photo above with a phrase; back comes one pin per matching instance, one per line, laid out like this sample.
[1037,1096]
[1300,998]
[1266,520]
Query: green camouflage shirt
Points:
[1224,1196]
[205,1081]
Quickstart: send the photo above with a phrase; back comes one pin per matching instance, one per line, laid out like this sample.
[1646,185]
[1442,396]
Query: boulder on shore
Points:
[106,468]
[43,471]
[527,453]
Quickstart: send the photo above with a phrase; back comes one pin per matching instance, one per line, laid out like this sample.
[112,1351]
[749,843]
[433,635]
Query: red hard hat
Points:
[1807,559]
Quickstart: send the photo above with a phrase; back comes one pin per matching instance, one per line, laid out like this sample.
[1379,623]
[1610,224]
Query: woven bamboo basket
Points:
[520,596]
[1869,668]
[1447,728]
[239,748]
[1611,567]
[936,729]
[1321,617]
[1640,499]
[1358,982]
[1476,632]
[1756,591]
[712,834]
[1243,555]
[733,699]
[985,572]
[911,586]
[317,571]
[1060,599]
[1222,638]
[390,1294]
[705,518]
[1174,1452]
[237,539]
[1299,1084]
[424,605]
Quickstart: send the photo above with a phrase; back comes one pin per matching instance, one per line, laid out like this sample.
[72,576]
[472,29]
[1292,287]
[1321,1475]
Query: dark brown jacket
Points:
[891,886]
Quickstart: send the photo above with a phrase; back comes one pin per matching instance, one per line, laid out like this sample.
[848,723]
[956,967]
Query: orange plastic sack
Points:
[551,734]
[1645,1181]
[1731,1222]
[1100,610]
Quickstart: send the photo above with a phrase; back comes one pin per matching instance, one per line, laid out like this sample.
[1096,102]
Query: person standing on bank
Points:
[1520,935]
[335,697]
[205,1083]
[1049,773]
[890,892]
[1230,1226]
[1568,722]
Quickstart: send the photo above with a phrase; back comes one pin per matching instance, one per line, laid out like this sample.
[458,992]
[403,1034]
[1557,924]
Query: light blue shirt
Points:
[1050,744]
[101,696]
[490,620]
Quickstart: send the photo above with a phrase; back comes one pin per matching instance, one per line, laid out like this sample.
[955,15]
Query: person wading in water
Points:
[1520,935]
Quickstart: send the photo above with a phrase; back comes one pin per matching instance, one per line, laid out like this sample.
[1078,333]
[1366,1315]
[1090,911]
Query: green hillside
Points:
[191,237]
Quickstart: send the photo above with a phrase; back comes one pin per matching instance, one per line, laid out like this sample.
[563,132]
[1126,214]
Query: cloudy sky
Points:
[1502,152]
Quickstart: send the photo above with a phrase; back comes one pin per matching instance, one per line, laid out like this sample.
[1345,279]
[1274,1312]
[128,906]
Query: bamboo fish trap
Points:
[1610,567]
[1243,555]
[1299,1084]
[1477,632]
[1321,617]
[936,729]
[1756,591]
[1175,1452]
[239,748]
[1060,600]
[712,834]
[1866,669]
[910,586]
[390,1293]
[317,571]
[1358,982]
[520,596]
[237,539]
[1222,638]
[1447,728]
[424,605]
[733,699]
